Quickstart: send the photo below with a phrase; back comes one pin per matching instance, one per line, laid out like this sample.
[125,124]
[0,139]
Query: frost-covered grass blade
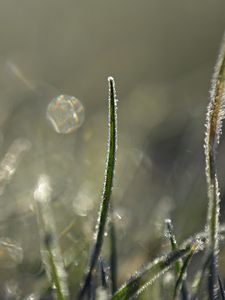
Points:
[215,115]
[178,264]
[107,189]
[113,254]
[183,271]
[149,273]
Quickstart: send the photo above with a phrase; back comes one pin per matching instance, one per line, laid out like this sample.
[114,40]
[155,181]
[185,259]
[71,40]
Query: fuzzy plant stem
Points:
[107,188]
[50,249]
[215,115]
[178,264]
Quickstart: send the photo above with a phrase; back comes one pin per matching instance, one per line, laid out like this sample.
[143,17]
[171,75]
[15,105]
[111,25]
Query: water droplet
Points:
[65,113]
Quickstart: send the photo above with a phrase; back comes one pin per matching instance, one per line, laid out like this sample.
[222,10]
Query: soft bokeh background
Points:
[161,54]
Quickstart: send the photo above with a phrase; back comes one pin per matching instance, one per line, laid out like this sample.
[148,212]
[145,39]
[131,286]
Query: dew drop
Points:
[65,113]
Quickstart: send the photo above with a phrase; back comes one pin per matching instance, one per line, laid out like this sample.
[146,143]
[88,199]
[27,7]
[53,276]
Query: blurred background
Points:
[161,54]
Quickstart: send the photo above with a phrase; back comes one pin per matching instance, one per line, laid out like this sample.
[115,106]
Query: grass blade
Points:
[149,273]
[107,189]
[173,242]
[183,272]
[113,254]
[178,264]
[202,236]
[215,115]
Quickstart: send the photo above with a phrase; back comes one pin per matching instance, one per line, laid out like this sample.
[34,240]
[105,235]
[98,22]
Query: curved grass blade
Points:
[178,264]
[149,273]
[215,115]
[183,271]
[107,188]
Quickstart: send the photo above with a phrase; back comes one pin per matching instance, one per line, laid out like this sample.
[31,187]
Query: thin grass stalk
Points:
[183,271]
[215,115]
[150,272]
[51,253]
[173,243]
[107,188]
[178,264]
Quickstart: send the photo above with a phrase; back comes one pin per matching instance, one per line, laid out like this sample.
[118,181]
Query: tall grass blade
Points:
[51,253]
[149,273]
[178,264]
[107,188]
[215,115]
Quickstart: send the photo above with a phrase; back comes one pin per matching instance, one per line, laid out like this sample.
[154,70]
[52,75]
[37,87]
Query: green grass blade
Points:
[173,243]
[113,254]
[215,116]
[178,264]
[108,183]
[183,271]
[149,273]
[56,278]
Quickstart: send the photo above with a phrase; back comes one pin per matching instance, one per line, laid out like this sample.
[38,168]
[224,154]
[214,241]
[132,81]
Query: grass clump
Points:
[180,257]
[98,282]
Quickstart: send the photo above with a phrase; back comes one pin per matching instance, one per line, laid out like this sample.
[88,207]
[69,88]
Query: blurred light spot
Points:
[65,113]
[32,297]
[168,278]
[11,254]
[43,190]
[11,160]
[12,290]
[83,203]
[117,215]
[18,73]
